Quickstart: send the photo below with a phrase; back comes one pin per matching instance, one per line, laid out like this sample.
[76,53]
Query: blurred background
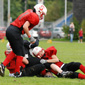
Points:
[55,25]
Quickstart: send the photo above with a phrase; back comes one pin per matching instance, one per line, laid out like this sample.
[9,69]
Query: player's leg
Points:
[59,72]
[82,68]
[74,66]
[81,76]
[56,70]
[14,37]
[33,60]
[5,62]
[33,70]
[19,63]
[77,75]
[10,56]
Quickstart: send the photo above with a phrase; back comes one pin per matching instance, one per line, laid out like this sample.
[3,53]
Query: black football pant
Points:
[72,66]
[35,60]
[33,70]
[13,35]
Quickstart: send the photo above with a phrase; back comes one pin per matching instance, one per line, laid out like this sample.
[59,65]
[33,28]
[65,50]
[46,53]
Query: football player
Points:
[23,23]
[34,60]
[50,54]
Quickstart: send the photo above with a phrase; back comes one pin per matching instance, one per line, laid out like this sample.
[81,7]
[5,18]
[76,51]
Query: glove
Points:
[36,43]
[42,61]
[32,39]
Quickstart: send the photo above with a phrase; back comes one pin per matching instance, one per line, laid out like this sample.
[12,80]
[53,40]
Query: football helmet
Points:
[40,10]
[8,47]
[38,52]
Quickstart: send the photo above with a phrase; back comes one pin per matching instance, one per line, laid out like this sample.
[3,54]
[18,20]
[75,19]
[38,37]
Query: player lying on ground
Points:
[32,61]
[50,54]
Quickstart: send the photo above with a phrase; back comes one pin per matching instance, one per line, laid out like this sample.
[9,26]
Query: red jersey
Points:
[28,15]
[80,33]
[48,53]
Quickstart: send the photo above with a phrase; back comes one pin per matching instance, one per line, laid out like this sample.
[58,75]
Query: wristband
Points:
[29,36]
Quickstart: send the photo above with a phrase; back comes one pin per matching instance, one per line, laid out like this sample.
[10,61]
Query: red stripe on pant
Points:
[81,76]
[19,63]
[9,58]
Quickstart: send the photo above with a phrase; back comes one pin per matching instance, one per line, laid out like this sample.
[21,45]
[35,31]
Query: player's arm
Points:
[26,30]
[53,60]
[52,52]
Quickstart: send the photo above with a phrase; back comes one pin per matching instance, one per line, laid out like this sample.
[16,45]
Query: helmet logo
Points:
[42,7]
[36,48]
[40,10]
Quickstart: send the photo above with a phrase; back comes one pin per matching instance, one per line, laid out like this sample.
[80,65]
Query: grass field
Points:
[66,52]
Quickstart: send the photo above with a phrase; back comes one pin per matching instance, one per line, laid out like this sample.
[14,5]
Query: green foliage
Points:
[55,8]
[69,6]
[83,27]
[16,8]
[77,28]
[5,9]
[30,4]
[66,30]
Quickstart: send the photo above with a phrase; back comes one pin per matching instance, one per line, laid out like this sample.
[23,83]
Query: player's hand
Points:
[32,40]
[42,61]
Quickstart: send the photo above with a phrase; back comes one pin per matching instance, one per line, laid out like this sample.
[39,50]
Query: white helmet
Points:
[40,10]
[37,50]
[8,47]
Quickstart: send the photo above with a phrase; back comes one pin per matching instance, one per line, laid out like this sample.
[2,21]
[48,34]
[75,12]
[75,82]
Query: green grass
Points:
[66,52]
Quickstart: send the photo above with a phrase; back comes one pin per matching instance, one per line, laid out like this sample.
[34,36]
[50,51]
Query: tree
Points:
[55,8]
[83,27]
[15,8]
[77,28]
[66,30]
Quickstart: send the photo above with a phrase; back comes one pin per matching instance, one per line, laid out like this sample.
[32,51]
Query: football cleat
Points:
[17,74]
[65,74]
[2,69]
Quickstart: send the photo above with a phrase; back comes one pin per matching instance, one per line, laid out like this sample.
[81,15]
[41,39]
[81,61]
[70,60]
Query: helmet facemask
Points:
[38,52]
